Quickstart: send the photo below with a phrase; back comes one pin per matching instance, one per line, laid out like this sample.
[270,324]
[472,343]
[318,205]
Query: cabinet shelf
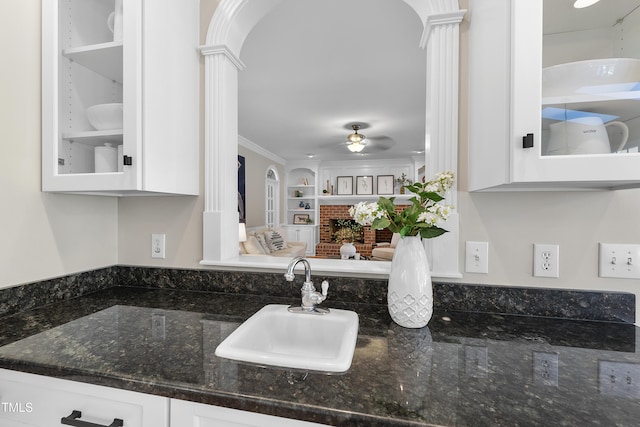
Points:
[622,108]
[97,137]
[592,97]
[103,58]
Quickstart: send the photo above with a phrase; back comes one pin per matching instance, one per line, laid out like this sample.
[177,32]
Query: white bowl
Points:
[105,116]
[592,76]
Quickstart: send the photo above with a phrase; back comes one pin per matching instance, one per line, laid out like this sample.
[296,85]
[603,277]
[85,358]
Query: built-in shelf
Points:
[104,58]
[97,137]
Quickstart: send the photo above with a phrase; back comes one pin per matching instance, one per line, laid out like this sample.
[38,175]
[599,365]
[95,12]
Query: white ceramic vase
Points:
[347,250]
[410,294]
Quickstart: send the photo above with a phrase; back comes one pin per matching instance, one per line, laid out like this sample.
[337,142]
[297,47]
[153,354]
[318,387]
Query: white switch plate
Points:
[477,257]
[157,245]
[619,260]
[546,260]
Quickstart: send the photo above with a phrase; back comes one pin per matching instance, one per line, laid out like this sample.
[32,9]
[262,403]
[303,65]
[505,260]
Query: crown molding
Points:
[250,145]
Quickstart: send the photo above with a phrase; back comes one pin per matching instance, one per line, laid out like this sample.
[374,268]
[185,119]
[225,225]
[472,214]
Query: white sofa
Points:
[271,242]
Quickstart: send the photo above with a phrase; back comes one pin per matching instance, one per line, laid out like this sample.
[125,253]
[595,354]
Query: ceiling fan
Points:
[356,140]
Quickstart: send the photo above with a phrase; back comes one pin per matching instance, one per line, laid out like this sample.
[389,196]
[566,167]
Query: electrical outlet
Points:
[619,379]
[545,368]
[476,361]
[477,257]
[618,260]
[546,260]
[157,245]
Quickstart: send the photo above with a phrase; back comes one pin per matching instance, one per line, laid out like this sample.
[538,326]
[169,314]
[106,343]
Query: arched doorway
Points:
[272,197]
[231,22]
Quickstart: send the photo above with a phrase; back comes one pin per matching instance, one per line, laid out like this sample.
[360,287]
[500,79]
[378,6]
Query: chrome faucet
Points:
[310,297]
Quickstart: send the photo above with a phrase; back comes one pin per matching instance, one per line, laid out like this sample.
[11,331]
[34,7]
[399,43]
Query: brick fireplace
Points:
[328,248]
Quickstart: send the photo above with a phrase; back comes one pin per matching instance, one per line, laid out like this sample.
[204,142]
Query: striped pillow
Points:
[263,242]
[275,241]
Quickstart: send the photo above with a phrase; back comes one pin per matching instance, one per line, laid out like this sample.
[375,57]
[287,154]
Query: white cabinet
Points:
[506,102]
[303,233]
[39,401]
[186,414]
[150,65]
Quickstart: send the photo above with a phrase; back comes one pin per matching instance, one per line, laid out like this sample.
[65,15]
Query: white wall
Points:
[256,167]
[47,235]
[42,235]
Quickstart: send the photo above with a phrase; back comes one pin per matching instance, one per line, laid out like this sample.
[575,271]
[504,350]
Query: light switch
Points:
[477,257]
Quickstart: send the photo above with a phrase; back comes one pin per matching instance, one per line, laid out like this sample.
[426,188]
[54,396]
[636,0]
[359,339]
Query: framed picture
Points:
[300,218]
[385,184]
[345,185]
[364,185]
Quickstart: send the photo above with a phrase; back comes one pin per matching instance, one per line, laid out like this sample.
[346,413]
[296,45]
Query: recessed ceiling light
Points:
[579,4]
[310,155]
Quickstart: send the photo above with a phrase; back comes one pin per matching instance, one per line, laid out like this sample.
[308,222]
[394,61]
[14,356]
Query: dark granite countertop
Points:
[464,369]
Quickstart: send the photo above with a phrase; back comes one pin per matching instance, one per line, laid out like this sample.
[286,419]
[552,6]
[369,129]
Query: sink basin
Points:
[274,336]
[591,77]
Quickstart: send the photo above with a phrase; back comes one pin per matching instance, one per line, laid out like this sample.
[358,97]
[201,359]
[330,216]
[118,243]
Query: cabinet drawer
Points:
[34,400]
[187,414]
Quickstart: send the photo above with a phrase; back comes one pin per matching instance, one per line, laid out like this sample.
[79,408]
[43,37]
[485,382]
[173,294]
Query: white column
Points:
[220,217]
[441,42]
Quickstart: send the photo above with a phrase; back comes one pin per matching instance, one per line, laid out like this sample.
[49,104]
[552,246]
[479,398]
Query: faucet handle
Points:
[325,287]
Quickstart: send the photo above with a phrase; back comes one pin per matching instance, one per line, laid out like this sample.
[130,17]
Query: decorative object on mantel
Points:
[403,181]
[364,185]
[385,184]
[410,294]
[344,185]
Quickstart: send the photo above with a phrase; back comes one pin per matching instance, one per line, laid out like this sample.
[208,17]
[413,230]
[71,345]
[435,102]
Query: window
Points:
[272,198]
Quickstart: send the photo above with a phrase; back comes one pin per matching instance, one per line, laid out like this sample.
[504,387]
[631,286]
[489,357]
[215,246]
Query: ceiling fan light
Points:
[355,147]
[355,138]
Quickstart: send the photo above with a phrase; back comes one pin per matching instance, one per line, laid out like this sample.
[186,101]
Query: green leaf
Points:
[386,204]
[380,223]
[431,232]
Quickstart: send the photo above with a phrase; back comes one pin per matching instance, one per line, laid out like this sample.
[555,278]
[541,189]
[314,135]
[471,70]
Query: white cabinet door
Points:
[39,401]
[506,104]
[155,149]
[190,414]
[303,234]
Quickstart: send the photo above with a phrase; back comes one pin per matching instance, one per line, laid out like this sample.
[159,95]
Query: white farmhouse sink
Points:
[277,337]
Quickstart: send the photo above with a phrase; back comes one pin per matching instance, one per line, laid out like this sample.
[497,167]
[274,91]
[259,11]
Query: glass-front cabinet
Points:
[120,96]
[554,94]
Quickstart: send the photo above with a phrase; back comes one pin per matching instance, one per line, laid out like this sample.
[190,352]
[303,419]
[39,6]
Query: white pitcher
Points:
[114,21]
[585,135]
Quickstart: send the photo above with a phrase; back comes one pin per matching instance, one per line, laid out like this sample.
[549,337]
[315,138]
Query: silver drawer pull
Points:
[73,420]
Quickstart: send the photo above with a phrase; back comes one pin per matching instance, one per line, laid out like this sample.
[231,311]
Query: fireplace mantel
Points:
[353,199]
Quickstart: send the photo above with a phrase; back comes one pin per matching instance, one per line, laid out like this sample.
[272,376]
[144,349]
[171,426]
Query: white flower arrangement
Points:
[420,217]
